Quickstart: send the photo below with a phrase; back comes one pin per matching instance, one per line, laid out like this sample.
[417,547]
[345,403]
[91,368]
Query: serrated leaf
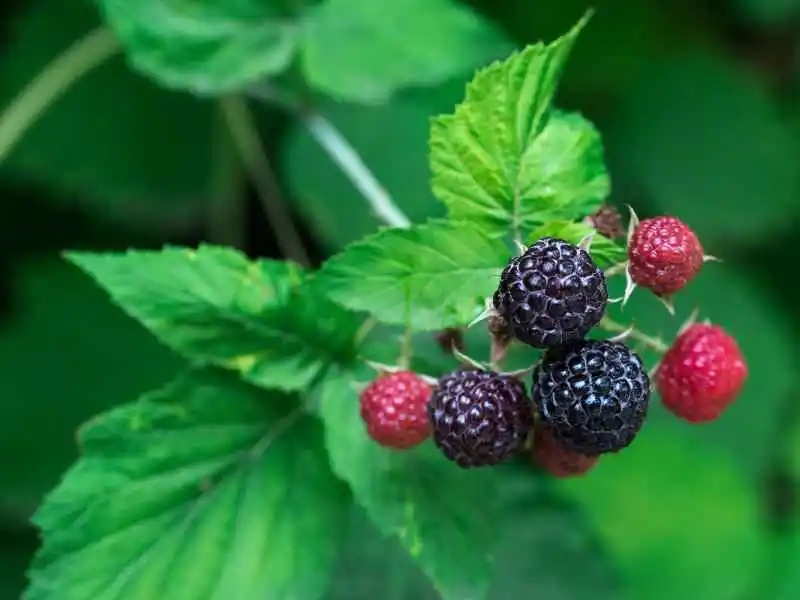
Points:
[505,159]
[208,488]
[437,274]
[209,47]
[215,306]
[604,251]
[689,521]
[352,50]
[417,496]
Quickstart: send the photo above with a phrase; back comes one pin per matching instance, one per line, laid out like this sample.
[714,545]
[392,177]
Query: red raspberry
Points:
[701,374]
[394,407]
[664,255]
[557,460]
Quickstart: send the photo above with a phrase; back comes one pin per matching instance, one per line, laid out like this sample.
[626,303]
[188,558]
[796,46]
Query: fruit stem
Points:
[616,269]
[651,342]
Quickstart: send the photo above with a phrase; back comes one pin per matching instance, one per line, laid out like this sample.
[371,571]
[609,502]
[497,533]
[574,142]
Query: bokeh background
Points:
[698,102]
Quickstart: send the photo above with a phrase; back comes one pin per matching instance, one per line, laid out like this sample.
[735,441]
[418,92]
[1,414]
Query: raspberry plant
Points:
[194,490]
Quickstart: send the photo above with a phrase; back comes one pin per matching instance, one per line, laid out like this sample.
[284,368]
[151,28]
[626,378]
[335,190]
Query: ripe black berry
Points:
[592,397]
[553,294]
[479,418]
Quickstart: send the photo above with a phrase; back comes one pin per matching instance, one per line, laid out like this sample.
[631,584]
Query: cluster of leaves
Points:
[259,446]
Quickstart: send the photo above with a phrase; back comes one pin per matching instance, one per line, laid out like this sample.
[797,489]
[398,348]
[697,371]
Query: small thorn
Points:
[464,359]
[633,223]
[629,287]
[586,242]
[382,368]
[521,248]
[689,322]
[431,381]
[487,312]
[616,300]
[710,258]
[623,335]
[706,322]
[520,372]
[668,304]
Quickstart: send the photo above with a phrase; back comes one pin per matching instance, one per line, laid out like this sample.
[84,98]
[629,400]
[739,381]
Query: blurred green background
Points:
[698,102]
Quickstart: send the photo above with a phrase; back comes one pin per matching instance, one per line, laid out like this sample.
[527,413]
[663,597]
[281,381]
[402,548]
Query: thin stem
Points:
[616,269]
[226,217]
[244,133]
[53,81]
[351,164]
[651,342]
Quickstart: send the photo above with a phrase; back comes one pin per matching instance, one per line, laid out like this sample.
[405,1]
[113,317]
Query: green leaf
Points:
[66,354]
[208,488]
[434,275]
[90,146]
[769,12]
[604,250]
[731,299]
[417,496]
[687,522]
[703,140]
[215,306]
[352,50]
[504,159]
[206,46]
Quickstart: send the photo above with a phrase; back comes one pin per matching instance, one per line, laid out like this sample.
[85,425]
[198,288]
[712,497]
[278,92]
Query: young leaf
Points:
[604,251]
[211,46]
[208,488]
[213,305]
[505,160]
[352,50]
[440,273]
[426,501]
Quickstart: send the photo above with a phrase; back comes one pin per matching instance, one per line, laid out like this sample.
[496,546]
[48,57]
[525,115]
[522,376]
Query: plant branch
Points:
[244,134]
[341,152]
[651,342]
[53,81]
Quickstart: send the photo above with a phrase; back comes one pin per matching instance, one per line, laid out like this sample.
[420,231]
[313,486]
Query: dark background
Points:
[697,101]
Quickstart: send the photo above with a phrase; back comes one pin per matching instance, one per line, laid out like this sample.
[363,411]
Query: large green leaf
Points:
[208,488]
[205,46]
[214,305]
[703,139]
[432,276]
[680,520]
[417,496]
[504,159]
[352,49]
[103,142]
[66,354]
[734,301]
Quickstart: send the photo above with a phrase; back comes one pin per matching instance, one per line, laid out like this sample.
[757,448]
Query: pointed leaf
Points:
[504,159]
[215,306]
[352,50]
[209,488]
[211,46]
[440,273]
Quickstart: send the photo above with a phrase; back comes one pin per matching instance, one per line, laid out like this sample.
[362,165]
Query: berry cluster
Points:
[588,397]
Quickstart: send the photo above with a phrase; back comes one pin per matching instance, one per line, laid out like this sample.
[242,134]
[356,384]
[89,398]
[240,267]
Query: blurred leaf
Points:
[735,302]
[207,488]
[214,305]
[705,141]
[352,50]
[67,353]
[206,47]
[680,520]
[770,12]
[418,496]
[103,141]
[504,160]
[603,250]
[432,276]
[372,565]
[16,550]
[787,555]
[392,139]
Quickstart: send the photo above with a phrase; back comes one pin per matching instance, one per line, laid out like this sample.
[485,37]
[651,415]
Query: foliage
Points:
[249,473]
